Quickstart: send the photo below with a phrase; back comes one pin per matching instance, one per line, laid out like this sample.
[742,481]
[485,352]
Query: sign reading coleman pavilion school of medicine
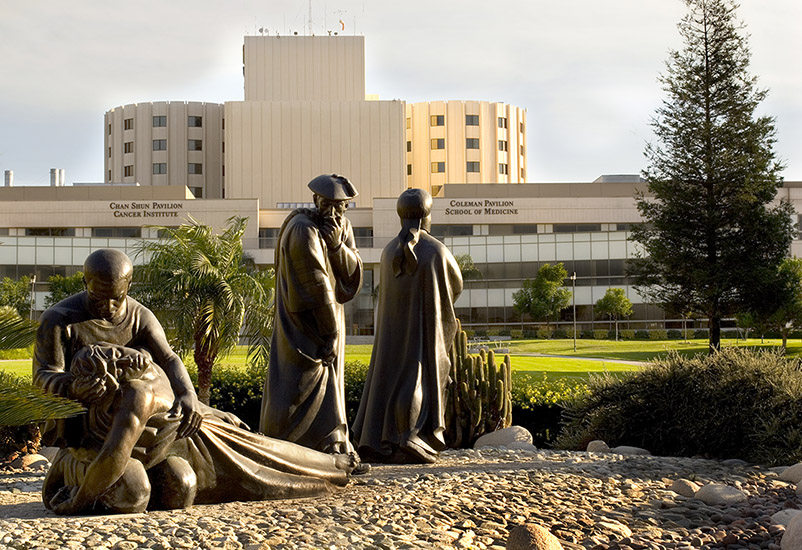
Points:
[480,207]
[146,209]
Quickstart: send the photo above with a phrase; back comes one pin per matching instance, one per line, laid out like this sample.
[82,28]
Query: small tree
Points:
[615,305]
[63,287]
[16,294]
[466,267]
[781,305]
[544,296]
[207,294]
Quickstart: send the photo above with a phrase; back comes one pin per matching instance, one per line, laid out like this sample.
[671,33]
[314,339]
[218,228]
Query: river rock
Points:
[784,517]
[715,493]
[792,538]
[629,450]
[792,474]
[532,537]
[598,446]
[685,487]
[30,461]
[503,437]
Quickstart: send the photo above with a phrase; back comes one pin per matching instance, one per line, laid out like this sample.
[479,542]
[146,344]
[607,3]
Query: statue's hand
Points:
[332,233]
[187,407]
[231,418]
[328,352]
[87,390]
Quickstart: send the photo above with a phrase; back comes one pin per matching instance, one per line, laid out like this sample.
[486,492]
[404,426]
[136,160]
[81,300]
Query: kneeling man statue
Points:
[146,442]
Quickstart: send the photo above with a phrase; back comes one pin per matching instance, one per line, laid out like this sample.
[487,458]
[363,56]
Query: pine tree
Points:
[711,234]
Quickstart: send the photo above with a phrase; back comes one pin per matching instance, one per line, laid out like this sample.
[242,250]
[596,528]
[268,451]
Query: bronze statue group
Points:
[146,442]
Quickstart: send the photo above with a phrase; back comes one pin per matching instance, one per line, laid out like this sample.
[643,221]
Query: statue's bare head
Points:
[415,204]
[107,275]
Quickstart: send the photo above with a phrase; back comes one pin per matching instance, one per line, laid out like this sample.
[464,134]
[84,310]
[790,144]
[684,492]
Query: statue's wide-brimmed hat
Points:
[333,187]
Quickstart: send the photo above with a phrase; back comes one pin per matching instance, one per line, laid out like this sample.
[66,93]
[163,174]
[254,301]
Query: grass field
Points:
[590,355]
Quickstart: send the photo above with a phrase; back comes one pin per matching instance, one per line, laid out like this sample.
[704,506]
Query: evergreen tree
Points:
[544,296]
[711,235]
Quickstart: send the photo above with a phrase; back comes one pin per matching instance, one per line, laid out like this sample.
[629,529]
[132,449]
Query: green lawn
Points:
[590,355]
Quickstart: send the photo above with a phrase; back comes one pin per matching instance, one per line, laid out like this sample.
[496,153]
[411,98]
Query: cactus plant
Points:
[478,395]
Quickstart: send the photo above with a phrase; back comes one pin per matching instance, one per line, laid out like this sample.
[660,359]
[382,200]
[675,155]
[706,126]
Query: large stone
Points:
[792,538]
[49,452]
[598,446]
[33,461]
[532,537]
[628,450]
[685,487]
[715,493]
[503,437]
[784,517]
[792,474]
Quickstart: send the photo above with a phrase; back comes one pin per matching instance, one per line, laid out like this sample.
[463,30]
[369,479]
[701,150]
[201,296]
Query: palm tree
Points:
[20,402]
[207,294]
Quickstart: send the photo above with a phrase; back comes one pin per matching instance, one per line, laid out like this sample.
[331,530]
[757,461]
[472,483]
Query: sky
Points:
[586,71]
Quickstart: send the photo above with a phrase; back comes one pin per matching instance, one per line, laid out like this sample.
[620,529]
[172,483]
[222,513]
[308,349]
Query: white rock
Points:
[627,450]
[715,493]
[49,452]
[784,517]
[32,461]
[532,537]
[522,445]
[792,474]
[792,538]
[598,446]
[503,437]
[685,487]
[616,527]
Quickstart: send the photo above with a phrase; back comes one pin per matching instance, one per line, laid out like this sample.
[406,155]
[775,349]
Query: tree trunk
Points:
[616,330]
[784,333]
[715,333]
[204,359]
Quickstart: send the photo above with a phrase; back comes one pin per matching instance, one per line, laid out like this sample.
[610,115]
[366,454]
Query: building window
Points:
[197,191]
[159,168]
[409,169]
[128,147]
[109,175]
[438,167]
[473,166]
[438,143]
[195,121]
[109,128]
[437,120]
[523,173]
[159,144]
[451,230]
[160,121]
[522,150]
[503,168]
[128,124]
[50,231]
[522,127]
[195,145]
[268,237]
[117,232]
[409,146]
[471,120]
[502,145]
[128,171]
[502,122]
[409,123]
[109,151]
[576,227]
[194,168]
[471,143]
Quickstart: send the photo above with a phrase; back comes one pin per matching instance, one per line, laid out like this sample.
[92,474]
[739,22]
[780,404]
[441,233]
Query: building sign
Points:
[146,209]
[481,207]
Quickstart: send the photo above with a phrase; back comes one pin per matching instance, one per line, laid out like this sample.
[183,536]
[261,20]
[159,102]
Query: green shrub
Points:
[587,334]
[516,334]
[700,334]
[658,334]
[537,404]
[494,332]
[732,404]
[559,334]
[544,333]
[626,334]
[16,353]
[530,334]
[481,333]
[600,334]
[470,333]
[674,334]
[641,335]
[355,374]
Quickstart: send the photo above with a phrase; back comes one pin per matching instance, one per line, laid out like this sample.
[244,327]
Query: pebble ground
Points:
[469,499]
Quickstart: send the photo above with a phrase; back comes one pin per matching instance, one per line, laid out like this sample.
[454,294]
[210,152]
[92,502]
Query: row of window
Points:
[471,166]
[160,121]
[113,232]
[161,145]
[470,143]
[470,120]
[160,168]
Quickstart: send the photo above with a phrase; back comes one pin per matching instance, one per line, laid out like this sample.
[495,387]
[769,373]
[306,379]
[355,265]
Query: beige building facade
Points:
[166,143]
[464,141]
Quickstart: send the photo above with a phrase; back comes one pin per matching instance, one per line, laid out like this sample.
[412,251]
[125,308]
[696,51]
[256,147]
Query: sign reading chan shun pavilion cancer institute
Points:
[146,209]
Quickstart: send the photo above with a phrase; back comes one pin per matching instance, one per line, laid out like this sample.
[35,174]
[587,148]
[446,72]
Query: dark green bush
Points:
[530,334]
[481,333]
[641,335]
[355,373]
[586,334]
[700,334]
[732,404]
[674,334]
[236,390]
[537,404]
[559,334]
